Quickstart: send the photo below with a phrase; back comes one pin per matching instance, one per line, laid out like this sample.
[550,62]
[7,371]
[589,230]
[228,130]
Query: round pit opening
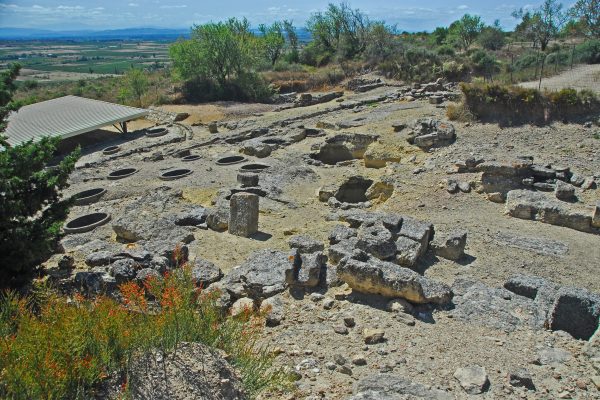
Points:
[354,190]
[230,160]
[86,223]
[111,150]
[191,157]
[175,174]
[122,173]
[155,132]
[254,167]
[88,196]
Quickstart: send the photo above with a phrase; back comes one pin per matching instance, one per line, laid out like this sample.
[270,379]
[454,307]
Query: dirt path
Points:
[581,77]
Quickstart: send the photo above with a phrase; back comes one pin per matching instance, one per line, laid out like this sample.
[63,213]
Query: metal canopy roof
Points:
[65,117]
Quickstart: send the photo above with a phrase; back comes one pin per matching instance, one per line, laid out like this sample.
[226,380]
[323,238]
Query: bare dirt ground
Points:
[580,77]
[51,76]
[429,352]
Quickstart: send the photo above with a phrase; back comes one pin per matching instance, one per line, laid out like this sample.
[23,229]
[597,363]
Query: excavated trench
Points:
[254,167]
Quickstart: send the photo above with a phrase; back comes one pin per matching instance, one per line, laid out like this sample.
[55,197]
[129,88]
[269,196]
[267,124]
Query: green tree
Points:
[135,85]
[382,43]
[588,14]
[340,30]
[544,24]
[492,37]
[438,36]
[292,38]
[219,61]
[273,40]
[31,211]
[485,64]
[466,30]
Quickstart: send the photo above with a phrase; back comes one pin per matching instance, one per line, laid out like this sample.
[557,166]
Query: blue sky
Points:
[410,15]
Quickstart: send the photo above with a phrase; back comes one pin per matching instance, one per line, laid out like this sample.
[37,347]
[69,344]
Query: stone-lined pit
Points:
[230,160]
[86,222]
[111,150]
[175,174]
[155,132]
[254,167]
[191,157]
[88,196]
[122,173]
[354,190]
[332,153]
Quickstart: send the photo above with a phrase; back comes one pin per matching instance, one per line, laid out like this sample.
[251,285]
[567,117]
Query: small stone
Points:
[400,305]
[581,383]
[345,370]
[406,319]
[339,359]
[242,305]
[328,303]
[464,187]
[521,378]
[330,365]
[473,379]
[373,336]
[212,127]
[359,360]
[316,297]
[349,322]
[243,214]
[495,197]
[564,191]
[342,330]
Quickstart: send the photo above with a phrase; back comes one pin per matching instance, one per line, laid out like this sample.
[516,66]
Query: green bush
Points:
[514,104]
[527,60]
[63,349]
[588,52]
[446,50]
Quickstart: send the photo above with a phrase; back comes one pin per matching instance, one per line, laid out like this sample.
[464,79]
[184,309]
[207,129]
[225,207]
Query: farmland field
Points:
[67,60]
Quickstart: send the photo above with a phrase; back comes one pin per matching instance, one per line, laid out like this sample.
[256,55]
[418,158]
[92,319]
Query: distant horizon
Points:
[86,15]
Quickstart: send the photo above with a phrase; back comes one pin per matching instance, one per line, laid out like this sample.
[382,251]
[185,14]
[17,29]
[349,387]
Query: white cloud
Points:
[133,5]
[463,7]
[173,6]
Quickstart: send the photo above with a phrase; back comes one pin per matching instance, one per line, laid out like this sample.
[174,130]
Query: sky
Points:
[409,15]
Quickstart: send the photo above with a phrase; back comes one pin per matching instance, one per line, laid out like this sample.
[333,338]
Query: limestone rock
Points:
[243,214]
[450,246]
[243,305]
[379,154]
[373,336]
[123,270]
[385,386]
[473,379]
[408,252]
[380,190]
[390,280]
[256,149]
[341,232]
[376,240]
[274,310]
[521,378]
[180,375]
[306,270]
[564,191]
[204,272]
[305,244]
[262,275]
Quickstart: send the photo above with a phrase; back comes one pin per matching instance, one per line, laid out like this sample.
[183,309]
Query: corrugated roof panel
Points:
[65,117]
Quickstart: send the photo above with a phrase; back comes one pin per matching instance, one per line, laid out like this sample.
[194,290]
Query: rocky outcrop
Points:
[374,276]
[344,147]
[428,132]
[190,372]
[395,387]
[527,204]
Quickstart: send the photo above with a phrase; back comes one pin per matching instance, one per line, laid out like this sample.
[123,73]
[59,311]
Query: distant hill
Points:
[113,34]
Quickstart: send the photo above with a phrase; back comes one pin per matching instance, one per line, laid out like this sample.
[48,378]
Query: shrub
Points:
[589,52]
[445,50]
[458,112]
[64,349]
[454,71]
[514,104]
